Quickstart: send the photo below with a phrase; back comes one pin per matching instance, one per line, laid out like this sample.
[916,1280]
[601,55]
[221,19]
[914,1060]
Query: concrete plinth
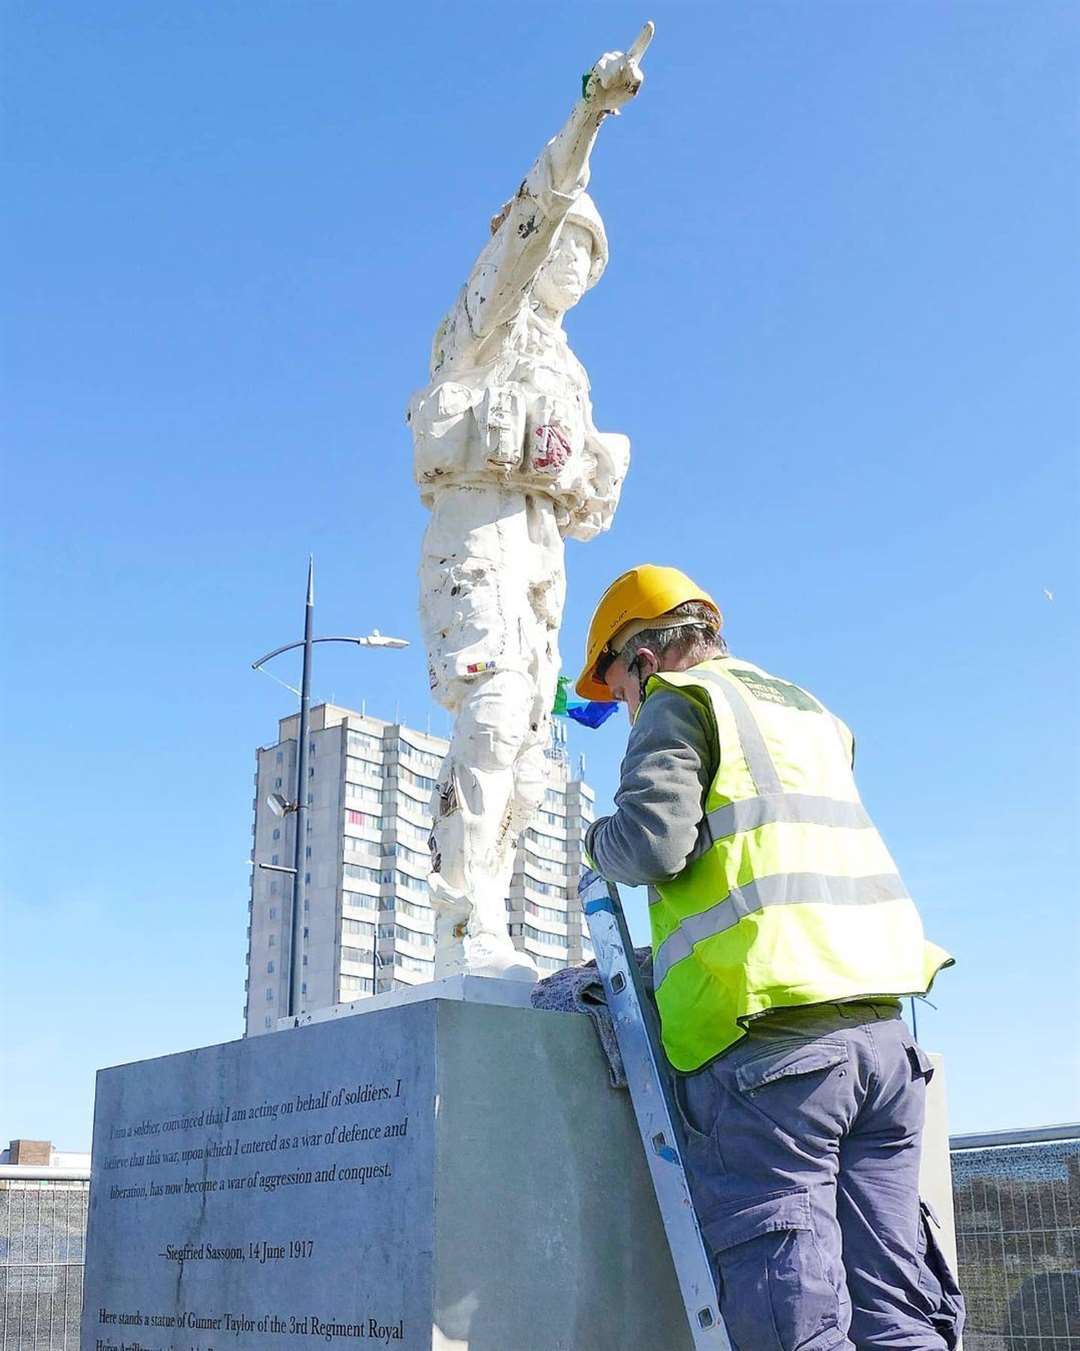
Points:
[439,1174]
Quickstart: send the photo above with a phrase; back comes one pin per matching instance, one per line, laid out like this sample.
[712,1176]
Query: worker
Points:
[783,939]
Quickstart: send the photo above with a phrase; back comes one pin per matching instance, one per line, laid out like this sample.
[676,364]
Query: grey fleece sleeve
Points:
[660,802]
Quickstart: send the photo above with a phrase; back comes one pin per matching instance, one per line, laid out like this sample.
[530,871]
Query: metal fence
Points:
[1017,1205]
[42,1242]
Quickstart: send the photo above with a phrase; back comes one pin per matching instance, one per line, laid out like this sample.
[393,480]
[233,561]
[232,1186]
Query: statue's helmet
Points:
[583,213]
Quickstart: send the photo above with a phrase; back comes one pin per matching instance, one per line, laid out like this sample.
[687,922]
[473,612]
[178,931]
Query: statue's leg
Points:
[475,608]
[474,837]
[547,592]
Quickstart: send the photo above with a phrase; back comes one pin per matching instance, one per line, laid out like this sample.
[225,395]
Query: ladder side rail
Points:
[649,1094]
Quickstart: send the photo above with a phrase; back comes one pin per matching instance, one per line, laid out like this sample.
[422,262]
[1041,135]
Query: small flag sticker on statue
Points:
[589,712]
[476,667]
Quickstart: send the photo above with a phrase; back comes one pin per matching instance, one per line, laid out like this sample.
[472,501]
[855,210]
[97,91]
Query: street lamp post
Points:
[295,960]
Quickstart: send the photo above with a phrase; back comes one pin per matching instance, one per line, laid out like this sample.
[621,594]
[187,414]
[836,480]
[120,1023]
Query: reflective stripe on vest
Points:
[780,889]
[801,808]
[789,897]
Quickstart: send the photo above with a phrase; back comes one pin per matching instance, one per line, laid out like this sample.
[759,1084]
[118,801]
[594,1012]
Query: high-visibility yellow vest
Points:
[791,897]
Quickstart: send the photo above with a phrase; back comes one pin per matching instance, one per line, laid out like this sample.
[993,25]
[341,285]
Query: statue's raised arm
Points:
[524,231]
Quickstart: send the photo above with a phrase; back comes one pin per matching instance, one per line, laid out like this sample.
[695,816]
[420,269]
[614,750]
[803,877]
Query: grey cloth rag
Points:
[579,989]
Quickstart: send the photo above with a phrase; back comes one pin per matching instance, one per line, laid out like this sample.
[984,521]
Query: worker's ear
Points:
[646,663]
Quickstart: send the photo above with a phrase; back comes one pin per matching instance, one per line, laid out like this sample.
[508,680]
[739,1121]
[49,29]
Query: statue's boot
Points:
[489,949]
[452,911]
[471,938]
[491,954]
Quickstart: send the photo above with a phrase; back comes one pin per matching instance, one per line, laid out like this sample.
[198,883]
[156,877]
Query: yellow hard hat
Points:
[645,592]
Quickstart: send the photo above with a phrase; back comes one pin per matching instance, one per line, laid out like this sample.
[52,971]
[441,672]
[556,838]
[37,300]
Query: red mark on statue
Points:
[554,449]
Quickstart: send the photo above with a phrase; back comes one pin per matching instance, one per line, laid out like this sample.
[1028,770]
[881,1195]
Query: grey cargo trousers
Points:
[802,1151]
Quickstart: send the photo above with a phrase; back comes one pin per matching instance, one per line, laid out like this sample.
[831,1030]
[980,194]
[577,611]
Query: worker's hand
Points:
[617,76]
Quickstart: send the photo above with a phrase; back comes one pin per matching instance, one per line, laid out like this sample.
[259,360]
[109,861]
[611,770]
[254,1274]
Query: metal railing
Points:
[42,1243]
[1017,1208]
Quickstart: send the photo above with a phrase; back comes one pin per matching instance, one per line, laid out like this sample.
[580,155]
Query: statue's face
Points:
[564,278]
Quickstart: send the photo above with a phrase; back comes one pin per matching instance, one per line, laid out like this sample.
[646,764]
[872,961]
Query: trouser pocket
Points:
[774,1293]
[936,1281]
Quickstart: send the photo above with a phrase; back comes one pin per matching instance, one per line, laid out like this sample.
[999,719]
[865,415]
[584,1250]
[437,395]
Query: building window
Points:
[545,912]
[417,780]
[404,880]
[552,843]
[279,757]
[415,936]
[272,912]
[362,874]
[277,782]
[545,888]
[274,887]
[269,968]
[545,939]
[356,955]
[428,759]
[269,994]
[268,1022]
[274,858]
[546,865]
[271,940]
[417,964]
[356,926]
[355,985]
[413,856]
[358,768]
[303,987]
[277,833]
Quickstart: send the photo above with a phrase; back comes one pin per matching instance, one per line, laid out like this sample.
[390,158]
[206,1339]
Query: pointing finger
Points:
[640,44]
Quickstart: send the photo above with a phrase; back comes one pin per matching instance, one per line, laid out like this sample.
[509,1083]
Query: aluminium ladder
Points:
[643,1062]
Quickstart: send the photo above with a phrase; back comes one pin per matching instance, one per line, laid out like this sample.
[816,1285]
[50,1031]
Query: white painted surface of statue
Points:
[508,460]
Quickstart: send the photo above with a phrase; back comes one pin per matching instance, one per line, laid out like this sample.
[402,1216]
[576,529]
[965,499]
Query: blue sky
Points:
[839,325]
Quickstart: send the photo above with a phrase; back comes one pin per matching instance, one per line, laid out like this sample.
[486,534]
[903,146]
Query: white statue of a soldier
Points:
[508,460]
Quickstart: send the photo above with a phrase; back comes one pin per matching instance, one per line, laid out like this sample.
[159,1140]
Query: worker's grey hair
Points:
[697,639]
